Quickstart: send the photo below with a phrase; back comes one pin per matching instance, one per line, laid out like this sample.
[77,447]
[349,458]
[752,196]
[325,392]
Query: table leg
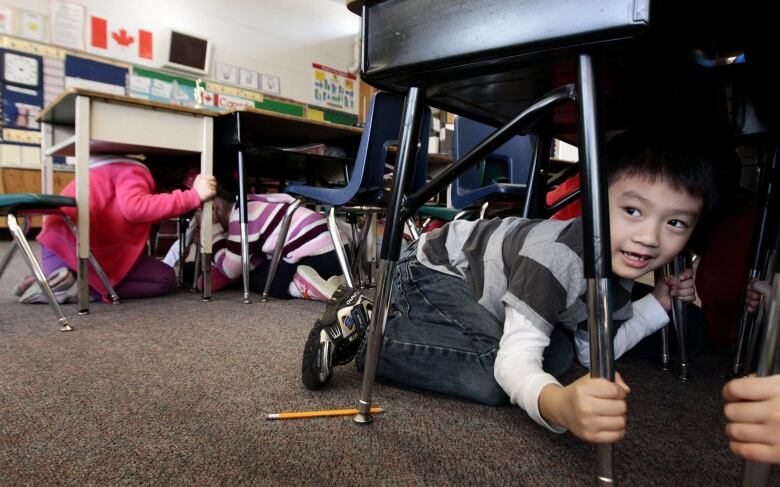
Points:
[756,474]
[391,245]
[83,135]
[596,245]
[206,231]
[242,218]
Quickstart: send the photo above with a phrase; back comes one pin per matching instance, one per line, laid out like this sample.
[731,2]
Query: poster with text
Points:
[334,88]
[67,24]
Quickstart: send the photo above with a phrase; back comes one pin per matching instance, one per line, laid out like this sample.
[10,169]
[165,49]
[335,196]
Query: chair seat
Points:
[332,196]
[502,191]
[33,201]
[439,212]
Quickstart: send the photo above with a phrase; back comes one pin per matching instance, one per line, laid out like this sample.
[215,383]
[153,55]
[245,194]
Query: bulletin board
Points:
[334,89]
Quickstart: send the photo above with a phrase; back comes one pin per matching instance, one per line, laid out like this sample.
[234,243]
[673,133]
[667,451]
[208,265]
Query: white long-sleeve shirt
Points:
[518,366]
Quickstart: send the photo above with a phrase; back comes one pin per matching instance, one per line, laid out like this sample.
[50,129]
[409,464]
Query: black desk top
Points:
[261,127]
[490,59]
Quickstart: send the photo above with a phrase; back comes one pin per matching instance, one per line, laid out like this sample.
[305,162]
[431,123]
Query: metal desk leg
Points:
[95,264]
[679,318]
[181,227]
[281,238]
[767,207]
[83,132]
[242,218]
[196,272]
[206,230]
[391,245]
[596,244]
[663,362]
[9,254]
[756,474]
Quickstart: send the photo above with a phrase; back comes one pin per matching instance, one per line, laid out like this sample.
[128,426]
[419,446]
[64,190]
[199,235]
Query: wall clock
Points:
[21,69]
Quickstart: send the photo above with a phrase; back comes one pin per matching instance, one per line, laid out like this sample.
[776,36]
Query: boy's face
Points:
[649,223]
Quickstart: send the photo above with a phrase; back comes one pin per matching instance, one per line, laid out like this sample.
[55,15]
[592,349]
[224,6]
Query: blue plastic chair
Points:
[365,187]
[516,157]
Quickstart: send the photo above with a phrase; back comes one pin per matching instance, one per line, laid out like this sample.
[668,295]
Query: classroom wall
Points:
[277,37]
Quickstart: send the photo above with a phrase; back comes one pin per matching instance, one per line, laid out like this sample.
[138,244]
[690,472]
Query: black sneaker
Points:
[336,337]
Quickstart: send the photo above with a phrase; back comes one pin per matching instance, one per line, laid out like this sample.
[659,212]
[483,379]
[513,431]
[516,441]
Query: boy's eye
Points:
[632,211]
[678,224]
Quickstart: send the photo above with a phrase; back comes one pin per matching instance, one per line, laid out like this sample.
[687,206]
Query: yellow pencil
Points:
[319,414]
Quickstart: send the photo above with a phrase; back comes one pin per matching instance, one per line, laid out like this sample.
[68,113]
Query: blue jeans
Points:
[439,338]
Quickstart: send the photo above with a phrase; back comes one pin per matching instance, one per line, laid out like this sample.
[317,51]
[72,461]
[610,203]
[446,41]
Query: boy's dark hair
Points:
[686,163]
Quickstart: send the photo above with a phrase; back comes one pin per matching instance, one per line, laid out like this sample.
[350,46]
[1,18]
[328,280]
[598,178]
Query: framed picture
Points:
[226,73]
[270,83]
[249,79]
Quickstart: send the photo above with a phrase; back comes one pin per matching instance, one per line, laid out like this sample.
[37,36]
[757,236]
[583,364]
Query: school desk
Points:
[544,66]
[265,135]
[82,122]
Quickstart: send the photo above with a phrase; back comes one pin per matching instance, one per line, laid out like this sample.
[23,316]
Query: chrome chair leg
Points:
[12,249]
[339,247]
[197,268]
[412,229]
[360,250]
[280,239]
[181,229]
[95,264]
[483,210]
[21,242]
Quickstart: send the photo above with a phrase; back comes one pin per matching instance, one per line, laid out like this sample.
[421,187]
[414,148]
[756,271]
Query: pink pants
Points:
[148,277]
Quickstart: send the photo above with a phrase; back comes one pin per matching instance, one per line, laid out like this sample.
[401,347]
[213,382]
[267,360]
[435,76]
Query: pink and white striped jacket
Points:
[308,234]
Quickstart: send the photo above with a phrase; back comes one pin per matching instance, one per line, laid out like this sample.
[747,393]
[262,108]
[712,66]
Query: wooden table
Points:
[82,122]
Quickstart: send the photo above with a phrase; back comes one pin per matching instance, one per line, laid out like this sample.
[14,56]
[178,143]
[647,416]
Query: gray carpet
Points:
[173,391]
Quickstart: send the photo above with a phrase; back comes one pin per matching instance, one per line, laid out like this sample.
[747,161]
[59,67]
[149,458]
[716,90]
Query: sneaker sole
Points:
[311,373]
[310,367]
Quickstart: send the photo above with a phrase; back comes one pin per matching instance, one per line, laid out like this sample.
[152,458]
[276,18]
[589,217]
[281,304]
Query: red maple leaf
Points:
[122,38]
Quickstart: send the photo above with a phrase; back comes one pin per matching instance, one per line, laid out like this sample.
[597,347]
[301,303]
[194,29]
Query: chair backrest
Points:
[382,128]
[510,163]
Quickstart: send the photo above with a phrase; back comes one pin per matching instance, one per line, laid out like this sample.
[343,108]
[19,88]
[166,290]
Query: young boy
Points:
[480,308]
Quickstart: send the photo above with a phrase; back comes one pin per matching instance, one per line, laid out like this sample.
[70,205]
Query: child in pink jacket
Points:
[123,206]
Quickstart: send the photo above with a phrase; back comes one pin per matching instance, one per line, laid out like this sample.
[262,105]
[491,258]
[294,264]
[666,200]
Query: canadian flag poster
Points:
[120,40]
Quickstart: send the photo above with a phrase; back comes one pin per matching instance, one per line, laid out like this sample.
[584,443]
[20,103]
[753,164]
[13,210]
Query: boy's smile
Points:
[650,223]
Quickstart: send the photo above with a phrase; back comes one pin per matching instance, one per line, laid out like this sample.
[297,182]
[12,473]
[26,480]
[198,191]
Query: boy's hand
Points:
[753,413]
[675,287]
[755,289]
[206,186]
[592,409]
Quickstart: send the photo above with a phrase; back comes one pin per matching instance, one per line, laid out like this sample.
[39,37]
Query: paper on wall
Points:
[6,19]
[140,84]
[161,88]
[67,24]
[32,25]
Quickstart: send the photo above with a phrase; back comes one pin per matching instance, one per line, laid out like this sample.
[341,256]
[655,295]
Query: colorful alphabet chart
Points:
[334,89]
